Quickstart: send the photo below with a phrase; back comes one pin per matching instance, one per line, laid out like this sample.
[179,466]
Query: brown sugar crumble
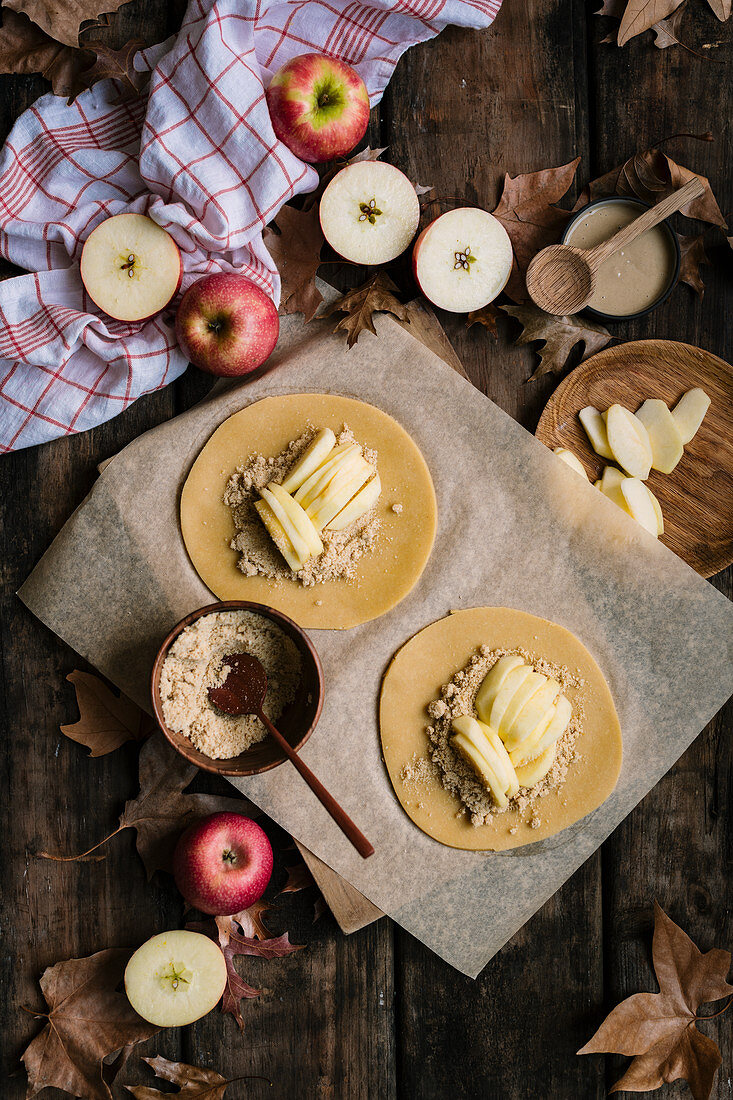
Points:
[258,556]
[457,698]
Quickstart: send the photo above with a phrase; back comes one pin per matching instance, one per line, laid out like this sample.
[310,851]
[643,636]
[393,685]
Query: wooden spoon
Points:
[562,279]
[243,692]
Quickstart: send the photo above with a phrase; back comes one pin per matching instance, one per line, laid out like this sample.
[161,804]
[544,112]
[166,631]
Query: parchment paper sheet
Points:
[517,528]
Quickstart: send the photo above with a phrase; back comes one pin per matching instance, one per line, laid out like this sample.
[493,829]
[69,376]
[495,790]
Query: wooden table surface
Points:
[376,1014]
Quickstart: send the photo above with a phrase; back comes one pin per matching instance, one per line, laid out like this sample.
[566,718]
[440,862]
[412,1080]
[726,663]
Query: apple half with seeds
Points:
[175,978]
[369,212]
[130,267]
[462,260]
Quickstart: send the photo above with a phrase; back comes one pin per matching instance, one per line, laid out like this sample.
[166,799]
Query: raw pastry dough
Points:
[429,660]
[266,427]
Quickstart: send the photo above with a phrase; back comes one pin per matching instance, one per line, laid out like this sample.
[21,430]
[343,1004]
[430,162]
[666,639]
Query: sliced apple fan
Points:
[329,487]
[521,716]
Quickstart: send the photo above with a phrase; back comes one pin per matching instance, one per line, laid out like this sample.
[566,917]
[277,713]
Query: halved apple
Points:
[175,978]
[531,685]
[463,259]
[130,267]
[493,681]
[629,441]
[533,714]
[664,435]
[312,458]
[369,212]
[358,506]
[299,518]
[277,533]
[595,429]
[529,775]
[689,412]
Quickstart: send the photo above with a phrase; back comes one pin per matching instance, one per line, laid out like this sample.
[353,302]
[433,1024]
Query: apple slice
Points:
[529,775]
[664,435]
[337,494]
[464,743]
[611,487]
[320,478]
[629,441]
[527,749]
[595,429]
[533,714]
[657,510]
[299,543]
[369,212]
[480,736]
[299,518]
[463,259]
[638,501]
[532,684]
[277,533]
[689,412]
[571,460]
[358,506]
[175,978]
[130,267]
[497,745]
[314,456]
[492,682]
[510,685]
[555,730]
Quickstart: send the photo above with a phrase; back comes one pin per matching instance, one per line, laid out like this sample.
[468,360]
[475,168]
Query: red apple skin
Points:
[318,135]
[222,863]
[226,325]
[415,250]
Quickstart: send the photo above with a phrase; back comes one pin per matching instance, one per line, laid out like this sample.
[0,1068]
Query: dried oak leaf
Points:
[666,31]
[62,19]
[116,65]
[87,1021]
[299,878]
[526,210]
[658,1029]
[296,250]
[196,1082]
[106,720]
[560,335]
[248,922]
[692,251]
[26,49]
[640,15]
[487,316]
[360,305]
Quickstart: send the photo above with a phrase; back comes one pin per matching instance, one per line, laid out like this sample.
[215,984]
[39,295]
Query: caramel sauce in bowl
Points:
[640,276]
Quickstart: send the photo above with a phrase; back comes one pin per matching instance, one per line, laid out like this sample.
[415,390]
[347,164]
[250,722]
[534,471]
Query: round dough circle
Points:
[266,427]
[430,659]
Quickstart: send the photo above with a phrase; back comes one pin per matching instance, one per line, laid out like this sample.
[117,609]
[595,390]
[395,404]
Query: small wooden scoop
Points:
[243,692]
[562,279]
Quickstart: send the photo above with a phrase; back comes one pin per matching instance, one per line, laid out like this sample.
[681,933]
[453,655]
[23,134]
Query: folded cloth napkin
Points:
[199,156]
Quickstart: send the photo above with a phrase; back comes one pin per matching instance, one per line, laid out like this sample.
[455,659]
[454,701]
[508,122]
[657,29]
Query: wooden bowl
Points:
[297,721]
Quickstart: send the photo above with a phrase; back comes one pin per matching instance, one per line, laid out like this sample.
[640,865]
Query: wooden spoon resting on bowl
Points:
[243,692]
[561,279]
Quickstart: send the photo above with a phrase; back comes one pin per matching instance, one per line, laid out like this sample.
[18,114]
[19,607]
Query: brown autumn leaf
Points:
[161,810]
[296,250]
[116,65]
[360,305]
[640,15]
[666,31]
[487,316]
[106,720]
[26,49]
[299,878]
[248,922]
[560,335]
[658,1029]
[87,1021]
[196,1083]
[692,251]
[61,19]
[527,211]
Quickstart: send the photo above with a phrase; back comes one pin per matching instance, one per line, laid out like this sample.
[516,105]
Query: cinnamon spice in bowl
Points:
[191,659]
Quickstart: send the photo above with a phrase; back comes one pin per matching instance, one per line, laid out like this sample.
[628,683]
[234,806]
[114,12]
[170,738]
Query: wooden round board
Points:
[697,497]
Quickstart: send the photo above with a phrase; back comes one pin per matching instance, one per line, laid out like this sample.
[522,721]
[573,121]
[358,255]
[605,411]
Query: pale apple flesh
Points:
[571,460]
[664,435]
[319,107]
[463,260]
[595,429]
[369,212]
[130,267]
[175,978]
[314,456]
[223,863]
[629,441]
[226,325]
[689,413]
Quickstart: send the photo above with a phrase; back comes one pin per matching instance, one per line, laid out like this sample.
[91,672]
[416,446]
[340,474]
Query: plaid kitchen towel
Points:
[199,156]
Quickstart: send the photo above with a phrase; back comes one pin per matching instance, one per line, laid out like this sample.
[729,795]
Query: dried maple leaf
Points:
[87,1021]
[560,335]
[361,303]
[106,720]
[692,251]
[526,210]
[61,19]
[486,317]
[248,922]
[196,1082]
[296,250]
[658,1029]
[161,810]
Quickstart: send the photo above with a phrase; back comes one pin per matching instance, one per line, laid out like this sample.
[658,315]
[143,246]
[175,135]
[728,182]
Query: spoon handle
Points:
[653,216]
[339,815]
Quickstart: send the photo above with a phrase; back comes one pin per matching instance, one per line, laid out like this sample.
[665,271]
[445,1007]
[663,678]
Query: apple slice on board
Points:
[689,412]
[462,260]
[595,429]
[664,435]
[369,212]
[175,978]
[130,267]
[629,441]
[571,460]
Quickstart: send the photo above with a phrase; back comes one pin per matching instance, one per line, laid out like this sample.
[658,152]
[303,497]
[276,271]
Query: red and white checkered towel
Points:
[199,156]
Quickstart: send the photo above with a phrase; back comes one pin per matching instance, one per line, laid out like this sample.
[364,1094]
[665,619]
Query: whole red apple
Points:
[319,107]
[226,325]
[222,863]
